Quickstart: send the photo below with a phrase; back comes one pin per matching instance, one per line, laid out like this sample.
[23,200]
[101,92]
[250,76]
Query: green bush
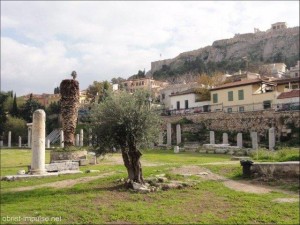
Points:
[282,155]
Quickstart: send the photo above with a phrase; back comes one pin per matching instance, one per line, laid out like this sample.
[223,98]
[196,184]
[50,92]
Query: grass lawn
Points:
[104,201]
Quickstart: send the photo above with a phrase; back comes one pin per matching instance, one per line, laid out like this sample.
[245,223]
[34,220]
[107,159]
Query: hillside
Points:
[226,55]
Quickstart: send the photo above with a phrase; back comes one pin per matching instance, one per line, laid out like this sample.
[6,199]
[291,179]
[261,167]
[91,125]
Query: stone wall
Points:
[284,122]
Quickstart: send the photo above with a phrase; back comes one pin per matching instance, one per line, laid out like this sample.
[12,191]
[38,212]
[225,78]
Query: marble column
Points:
[178,134]
[77,140]
[38,142]
[271,138]
[161,138]
[81,138]
[29,140]
[20,142]
[90,137]
[212,137]
[48,143]
[225,138]
[169,134]
[240,140]
[9,139]
[254,140]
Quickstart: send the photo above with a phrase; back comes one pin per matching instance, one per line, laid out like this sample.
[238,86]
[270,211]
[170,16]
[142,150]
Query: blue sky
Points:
[42,42]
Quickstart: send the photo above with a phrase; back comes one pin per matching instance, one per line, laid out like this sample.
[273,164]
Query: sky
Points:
[42,42]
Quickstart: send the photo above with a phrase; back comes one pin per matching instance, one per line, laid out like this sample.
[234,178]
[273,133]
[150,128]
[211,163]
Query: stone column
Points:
[90,137]
[254,140]
[48,143]
[9,139]
[176,149]
[225,138]
[20,142]
[77,140]
[178,134]
[240,140]
[271,138]
[29,125]
[1,144]
[212,137]
[62,139]
[38,142]
[81,138]
[161,138]
[169,134]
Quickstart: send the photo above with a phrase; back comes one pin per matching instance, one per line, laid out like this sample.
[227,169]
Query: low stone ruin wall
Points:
[62,166]
[72,155]
[275,170]
[223,149]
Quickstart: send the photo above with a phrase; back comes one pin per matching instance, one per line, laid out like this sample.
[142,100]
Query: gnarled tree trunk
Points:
[133,165]
[69,90]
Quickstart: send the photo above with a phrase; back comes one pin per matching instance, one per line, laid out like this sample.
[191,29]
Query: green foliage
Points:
[3,118]
[17,126]
[27,110]
[184,120]
[52,116]
[56,90]
[283,155]
[14,111]
[98,91]
[124,120]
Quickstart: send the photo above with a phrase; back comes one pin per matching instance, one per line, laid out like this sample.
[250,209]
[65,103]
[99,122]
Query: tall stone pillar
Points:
[9,139]
[29,140]
[212,137]
[38,142]
[254,140]
[62,139]
[178,134]
[240,140]
[225,138]
[169,134]
[271,138]
[81,138]
[161,138]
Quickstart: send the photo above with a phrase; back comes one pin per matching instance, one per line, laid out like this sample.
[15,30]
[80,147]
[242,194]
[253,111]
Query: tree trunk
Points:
[133,165]
[69,90]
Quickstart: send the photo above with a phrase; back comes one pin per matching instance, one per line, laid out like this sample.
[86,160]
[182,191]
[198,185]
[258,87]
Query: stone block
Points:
[202,151]
[211,151]
[220,151]
[62,166]
[83,162]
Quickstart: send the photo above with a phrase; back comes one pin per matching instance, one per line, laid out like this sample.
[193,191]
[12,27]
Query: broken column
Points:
[81,138]
[9,139]
[90,137]
[254,140]
[169,134]
[161,138]
[271,138]
[20,141]
[29,125]
[77,140]
[240,140]
[62,139]
[178,134]
[212,137]
[38,142]
[48,143]
[225,138]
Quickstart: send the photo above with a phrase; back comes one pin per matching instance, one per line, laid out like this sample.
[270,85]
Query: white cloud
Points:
[101,40]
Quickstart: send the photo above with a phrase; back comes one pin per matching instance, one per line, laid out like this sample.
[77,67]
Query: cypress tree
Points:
[14,110]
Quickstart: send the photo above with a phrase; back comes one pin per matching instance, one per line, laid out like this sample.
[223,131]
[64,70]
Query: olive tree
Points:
[125,121]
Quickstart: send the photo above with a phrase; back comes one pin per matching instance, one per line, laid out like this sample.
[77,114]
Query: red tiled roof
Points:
[290,94]
[189,91]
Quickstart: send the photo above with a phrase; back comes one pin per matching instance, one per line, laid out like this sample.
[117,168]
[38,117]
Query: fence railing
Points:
[230,109]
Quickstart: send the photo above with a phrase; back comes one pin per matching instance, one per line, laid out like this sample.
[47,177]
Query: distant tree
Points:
[26,110]
[125,121]
[52,118]
[14,111]
[17,126]
[3,117]
[97,90]
[118,80]
[56,90]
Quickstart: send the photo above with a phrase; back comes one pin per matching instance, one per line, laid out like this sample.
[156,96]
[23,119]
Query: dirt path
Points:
[62,184]
[244,186]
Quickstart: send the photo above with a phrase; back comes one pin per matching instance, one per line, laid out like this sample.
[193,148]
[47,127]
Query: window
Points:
[178,105]
[267,104]
[229,110]
[186,103]
[230,95]
[162,96]
[215,98]
[241,94]
[295,86]
[241,109]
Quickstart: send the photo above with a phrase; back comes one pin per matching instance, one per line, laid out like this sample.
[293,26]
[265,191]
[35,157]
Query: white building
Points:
[188,101]
[294,71]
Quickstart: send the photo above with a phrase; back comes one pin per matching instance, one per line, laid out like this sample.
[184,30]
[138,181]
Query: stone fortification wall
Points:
[258,121]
